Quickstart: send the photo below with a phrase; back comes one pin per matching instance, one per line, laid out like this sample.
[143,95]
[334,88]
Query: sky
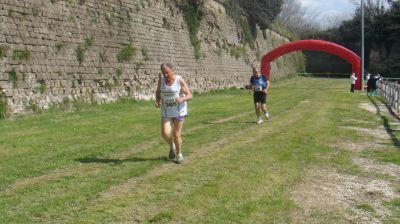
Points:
[328,9]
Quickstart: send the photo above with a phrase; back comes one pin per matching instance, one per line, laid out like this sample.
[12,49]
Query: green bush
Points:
[89,41]
[126,53]
[21,54]
[238,52]
[3,50]
[80,54]
[42,87]
[193,15]
[3,109]
[237,14]
[12,76]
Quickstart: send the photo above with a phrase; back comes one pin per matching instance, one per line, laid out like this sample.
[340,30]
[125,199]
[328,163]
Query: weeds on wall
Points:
[236,13]
[141,4]
[193,15]
[118,72]
[103,55]
[89,41]
[145,53]
[282,30]
[34,107]
[80,50]
[100,71]
[138,65]
[42,86]
[3,50]
[12,77]
[258,55]
[35,10]
[126,53]
[110,19]
[166,24]
[238,52]
[20,55]
[80,54]
[3,108]
[59,46]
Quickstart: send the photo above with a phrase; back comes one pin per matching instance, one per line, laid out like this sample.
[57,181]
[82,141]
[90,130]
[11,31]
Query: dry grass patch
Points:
[373,166]
[341,198]
[378,133]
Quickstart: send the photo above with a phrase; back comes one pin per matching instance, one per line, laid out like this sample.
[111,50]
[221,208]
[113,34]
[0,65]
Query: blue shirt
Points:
[259,83]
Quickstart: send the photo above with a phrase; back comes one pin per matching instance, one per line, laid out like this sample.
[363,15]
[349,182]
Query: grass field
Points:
[325,156]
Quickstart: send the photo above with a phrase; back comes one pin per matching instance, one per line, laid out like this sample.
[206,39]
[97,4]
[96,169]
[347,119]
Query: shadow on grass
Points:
[385,120]
[232,122]
[118,161]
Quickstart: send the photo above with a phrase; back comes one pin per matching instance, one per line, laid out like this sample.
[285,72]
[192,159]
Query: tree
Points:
[261,12]
[382,35]
[296,18]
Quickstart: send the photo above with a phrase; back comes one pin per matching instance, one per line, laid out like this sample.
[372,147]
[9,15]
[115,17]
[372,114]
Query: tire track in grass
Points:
[275,127]
[221,142]
[139,185]
[92,167]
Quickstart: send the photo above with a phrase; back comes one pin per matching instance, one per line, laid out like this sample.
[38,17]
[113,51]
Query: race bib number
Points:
[170,102]
[257,88]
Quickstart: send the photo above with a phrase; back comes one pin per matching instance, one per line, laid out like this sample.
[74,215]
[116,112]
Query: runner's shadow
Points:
[118,161]
[386,123]
[232,122]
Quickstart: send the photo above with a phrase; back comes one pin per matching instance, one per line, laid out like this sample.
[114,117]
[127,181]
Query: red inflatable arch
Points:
[313,45]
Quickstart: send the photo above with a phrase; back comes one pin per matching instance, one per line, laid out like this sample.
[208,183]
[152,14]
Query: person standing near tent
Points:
[372,85]
[367,79]
[171,96]
[353,79]
[260,86]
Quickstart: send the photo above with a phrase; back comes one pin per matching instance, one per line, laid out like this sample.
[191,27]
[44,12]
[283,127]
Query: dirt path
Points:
[327,194]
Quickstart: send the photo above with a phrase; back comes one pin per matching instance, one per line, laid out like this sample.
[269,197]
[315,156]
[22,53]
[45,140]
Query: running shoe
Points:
[180,158]
[172,152]
[260,121]
[267,115]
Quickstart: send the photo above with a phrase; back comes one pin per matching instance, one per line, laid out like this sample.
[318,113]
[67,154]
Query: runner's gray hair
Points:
[169,65]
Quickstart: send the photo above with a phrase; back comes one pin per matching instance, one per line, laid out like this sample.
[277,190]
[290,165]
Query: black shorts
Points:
[260,97]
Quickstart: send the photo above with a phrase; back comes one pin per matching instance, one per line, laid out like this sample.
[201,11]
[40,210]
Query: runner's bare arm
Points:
[268,86]
[185,89]
[158,93]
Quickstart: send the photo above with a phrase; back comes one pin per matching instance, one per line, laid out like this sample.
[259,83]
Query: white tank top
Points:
[169,106]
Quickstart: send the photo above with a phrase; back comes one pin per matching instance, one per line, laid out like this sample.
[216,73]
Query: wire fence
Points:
[391,92]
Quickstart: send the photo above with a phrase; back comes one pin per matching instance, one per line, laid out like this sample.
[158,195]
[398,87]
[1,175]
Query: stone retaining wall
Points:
[58,51]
